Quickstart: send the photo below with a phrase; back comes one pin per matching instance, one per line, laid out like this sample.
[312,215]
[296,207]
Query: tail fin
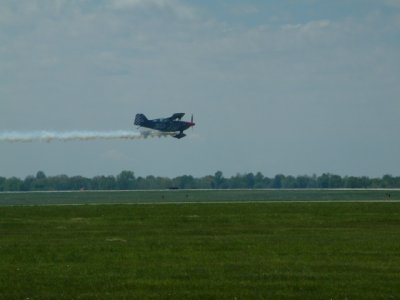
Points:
[140,119]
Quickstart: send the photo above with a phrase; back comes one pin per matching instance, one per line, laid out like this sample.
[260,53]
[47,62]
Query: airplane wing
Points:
[176,116]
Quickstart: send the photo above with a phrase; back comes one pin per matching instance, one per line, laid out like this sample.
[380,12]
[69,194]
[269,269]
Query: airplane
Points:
[172,124]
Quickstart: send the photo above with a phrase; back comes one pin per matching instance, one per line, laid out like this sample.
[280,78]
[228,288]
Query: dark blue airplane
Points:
[172,124]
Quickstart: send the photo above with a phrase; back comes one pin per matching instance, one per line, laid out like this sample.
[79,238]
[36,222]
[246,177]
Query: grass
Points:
[276,250]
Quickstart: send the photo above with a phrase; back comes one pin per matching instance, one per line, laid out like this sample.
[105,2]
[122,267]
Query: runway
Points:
[198,196]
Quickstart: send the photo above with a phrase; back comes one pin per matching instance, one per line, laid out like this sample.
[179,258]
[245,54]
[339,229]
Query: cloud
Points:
[308,27]
[93,64]
[395,3]
[244,9]
[174,6]
[120,4]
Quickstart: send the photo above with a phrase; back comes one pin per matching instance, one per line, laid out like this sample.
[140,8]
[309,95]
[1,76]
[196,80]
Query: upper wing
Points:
[176,116]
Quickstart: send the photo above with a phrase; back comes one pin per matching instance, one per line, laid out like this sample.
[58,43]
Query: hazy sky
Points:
[289,86]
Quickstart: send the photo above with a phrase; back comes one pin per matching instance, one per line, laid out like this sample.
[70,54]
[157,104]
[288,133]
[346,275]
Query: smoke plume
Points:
[49,136]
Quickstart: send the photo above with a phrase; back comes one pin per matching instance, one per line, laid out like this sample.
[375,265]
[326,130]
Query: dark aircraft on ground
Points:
[172,124]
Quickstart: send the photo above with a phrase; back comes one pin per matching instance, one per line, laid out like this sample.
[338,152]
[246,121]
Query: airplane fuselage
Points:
[166,124]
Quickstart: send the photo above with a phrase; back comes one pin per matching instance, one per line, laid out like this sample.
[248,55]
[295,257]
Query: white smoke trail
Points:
[49,136]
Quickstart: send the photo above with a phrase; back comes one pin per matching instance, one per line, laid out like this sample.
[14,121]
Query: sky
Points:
[294,87]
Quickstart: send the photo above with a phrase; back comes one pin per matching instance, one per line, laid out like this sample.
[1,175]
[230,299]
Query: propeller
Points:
[191,122]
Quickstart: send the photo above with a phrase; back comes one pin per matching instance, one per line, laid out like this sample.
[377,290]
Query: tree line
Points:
[126,180]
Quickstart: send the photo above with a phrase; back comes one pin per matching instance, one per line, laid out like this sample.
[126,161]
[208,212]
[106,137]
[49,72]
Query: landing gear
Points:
[180,135]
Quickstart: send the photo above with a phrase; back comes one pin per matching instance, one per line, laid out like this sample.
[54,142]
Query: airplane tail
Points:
[140,119]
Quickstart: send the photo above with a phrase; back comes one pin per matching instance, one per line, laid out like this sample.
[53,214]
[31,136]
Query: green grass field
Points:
[276,250]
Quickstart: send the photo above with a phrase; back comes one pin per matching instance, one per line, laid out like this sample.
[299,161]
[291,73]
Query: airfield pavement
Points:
[196,196]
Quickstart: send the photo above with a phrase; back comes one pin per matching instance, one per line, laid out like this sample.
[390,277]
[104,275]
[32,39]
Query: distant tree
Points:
[110,183]
[218,179]
[184,182]
[335,181]
[59,183]
[328,180]
[40,175]
[250,180]
[13,184]
[165,182]
[104,183]
[323,181]
[237,182]
[277,181]
[303,181]
[313,182]
[289,182]
[205,182]
[353,182]
[396,182]
[126,180]
[2,181]
[365,182]
[79,183]
[40,183]
[259,181]
[140,183]
[375,183]
[267,182]
[152,182]
[388,181]
[29,183]
[98,183]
